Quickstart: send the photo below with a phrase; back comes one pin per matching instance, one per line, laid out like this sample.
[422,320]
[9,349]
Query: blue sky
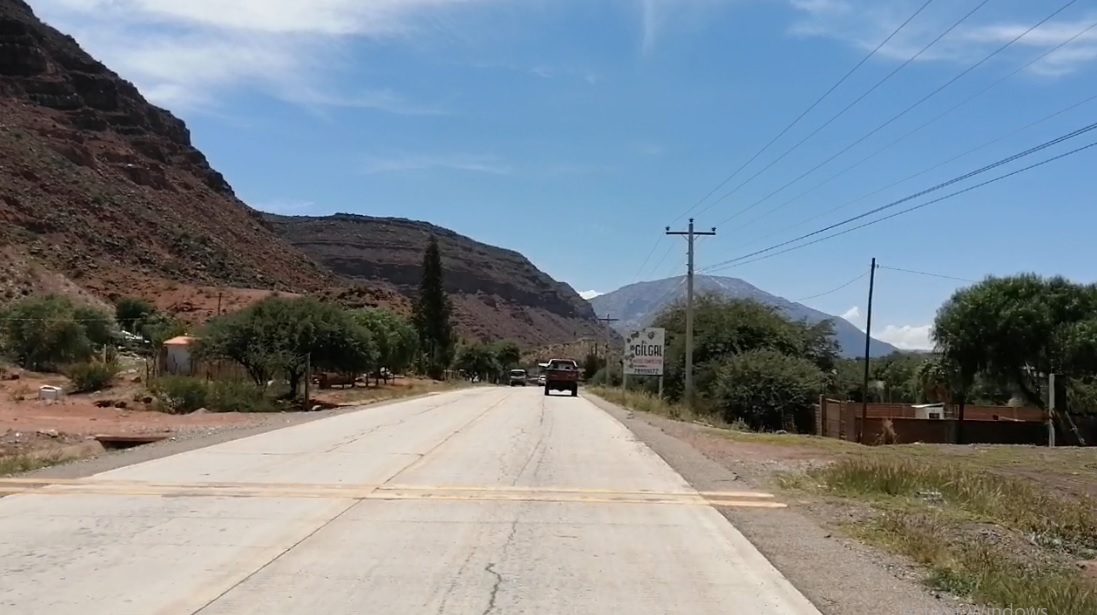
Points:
[574,131]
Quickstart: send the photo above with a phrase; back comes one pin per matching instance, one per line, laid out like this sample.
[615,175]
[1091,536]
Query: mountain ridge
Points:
[104,194]
[636,305]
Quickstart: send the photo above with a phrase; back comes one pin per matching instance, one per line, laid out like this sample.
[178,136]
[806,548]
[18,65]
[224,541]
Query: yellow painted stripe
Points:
[354,487]
[371,494]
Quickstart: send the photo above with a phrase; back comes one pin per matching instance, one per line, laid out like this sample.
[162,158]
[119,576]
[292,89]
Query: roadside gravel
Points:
[840,576]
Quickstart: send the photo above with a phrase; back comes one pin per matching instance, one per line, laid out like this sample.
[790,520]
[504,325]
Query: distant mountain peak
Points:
[637,305]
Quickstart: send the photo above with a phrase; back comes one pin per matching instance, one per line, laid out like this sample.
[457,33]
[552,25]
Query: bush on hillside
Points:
[91,376]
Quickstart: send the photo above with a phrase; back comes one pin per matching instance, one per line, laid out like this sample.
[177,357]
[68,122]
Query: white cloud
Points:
[655,14]
[864,23]
[192,53]
[590,294]
[907,337]
[456,162]
[852,314]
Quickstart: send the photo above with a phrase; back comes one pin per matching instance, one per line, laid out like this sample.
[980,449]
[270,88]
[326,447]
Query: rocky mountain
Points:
[103,193]
[637,305]
[496,292]
[106,189]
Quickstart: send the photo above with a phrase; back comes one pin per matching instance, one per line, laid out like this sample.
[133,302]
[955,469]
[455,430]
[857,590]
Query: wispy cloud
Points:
[590,294]
[455,162]
[864,23]
[907,337]
[655,15]
[193,53]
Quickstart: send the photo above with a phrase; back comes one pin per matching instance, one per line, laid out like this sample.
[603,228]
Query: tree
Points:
[592,364]
[46,333]
[1015,330]
[432,313]
[130,311]
[280,335]
[725,327]
[394,336]
[507,354]
[477,360]
[768,389]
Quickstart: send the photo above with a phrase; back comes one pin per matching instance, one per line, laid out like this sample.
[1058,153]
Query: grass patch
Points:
[183,395]
[646,402]
[996,539]
[394,390]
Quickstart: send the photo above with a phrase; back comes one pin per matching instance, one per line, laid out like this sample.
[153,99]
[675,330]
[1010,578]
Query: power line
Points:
[954,180]
[927,274]
[849,106]
[903,112]
[736,262]
[808,110]
[932,121]
[933,168]
[833,290]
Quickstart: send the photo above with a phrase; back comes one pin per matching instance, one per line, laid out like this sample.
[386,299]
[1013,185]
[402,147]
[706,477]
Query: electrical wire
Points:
[923,172]
[833,290]
[1004,78]
[737,262]
[939,186]
[849,106]
[917,103]
[808,110]
[926,273]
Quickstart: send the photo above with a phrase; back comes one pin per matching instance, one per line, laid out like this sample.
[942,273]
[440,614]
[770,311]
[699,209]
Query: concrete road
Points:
[481,501]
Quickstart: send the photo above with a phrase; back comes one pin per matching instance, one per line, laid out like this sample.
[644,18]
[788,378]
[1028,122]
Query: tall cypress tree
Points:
[433,310]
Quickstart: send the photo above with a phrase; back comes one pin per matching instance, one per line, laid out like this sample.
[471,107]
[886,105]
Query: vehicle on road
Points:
[517,377]
[541,380]
[562,375]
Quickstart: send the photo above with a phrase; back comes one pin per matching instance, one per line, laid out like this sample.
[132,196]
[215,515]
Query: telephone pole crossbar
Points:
[606,320]
[690,234]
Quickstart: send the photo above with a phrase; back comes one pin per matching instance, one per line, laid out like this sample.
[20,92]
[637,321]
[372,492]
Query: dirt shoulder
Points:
[871,529]
[58,438]
[840,576]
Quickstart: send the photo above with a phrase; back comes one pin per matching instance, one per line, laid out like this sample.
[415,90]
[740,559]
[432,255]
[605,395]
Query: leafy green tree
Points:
[592,364]
[393,334]
[433,311]
[45,333]
[507,354]
[130,311]
[1015,330]
[768,389]
[725,327]
[478,360]
[157,328]
[278,335]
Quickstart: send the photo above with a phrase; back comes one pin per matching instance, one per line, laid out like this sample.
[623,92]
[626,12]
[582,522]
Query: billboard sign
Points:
[644,352]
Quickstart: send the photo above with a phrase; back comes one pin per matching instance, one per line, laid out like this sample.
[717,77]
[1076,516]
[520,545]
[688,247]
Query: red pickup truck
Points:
[562,375]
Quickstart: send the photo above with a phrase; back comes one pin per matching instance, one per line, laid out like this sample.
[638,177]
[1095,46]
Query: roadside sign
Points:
[644,352]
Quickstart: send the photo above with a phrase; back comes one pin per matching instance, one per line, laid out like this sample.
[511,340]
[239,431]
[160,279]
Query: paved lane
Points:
[481,501]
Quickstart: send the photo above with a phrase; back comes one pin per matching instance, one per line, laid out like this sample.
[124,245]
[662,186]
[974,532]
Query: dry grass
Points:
[999,525]
[401,388]
[643,402]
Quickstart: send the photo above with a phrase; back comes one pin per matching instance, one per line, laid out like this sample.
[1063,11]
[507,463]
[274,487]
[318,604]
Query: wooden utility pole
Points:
[606,320]
[690,234]
[868,342]
[308,380]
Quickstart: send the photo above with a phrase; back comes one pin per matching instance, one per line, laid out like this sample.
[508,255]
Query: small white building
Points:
[176,356]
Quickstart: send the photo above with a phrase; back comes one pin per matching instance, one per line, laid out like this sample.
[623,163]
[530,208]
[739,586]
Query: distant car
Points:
[517,377]
[541,380]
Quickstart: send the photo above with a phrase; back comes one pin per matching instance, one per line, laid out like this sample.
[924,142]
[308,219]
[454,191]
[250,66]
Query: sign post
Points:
[644,350]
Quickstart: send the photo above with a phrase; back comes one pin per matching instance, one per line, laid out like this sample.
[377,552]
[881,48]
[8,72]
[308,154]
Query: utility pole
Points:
[690,236]
[868,342]
[308,380]
[606,320]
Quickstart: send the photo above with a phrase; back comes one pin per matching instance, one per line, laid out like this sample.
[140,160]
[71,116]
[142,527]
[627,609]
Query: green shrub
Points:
[228,396]
[92,376]
[181,394]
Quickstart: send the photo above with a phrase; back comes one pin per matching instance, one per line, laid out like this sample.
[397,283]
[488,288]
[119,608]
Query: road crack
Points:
[490,569]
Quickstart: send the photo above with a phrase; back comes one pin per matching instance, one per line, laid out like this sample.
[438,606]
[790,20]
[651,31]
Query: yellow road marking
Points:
[389,492]
[349,487]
